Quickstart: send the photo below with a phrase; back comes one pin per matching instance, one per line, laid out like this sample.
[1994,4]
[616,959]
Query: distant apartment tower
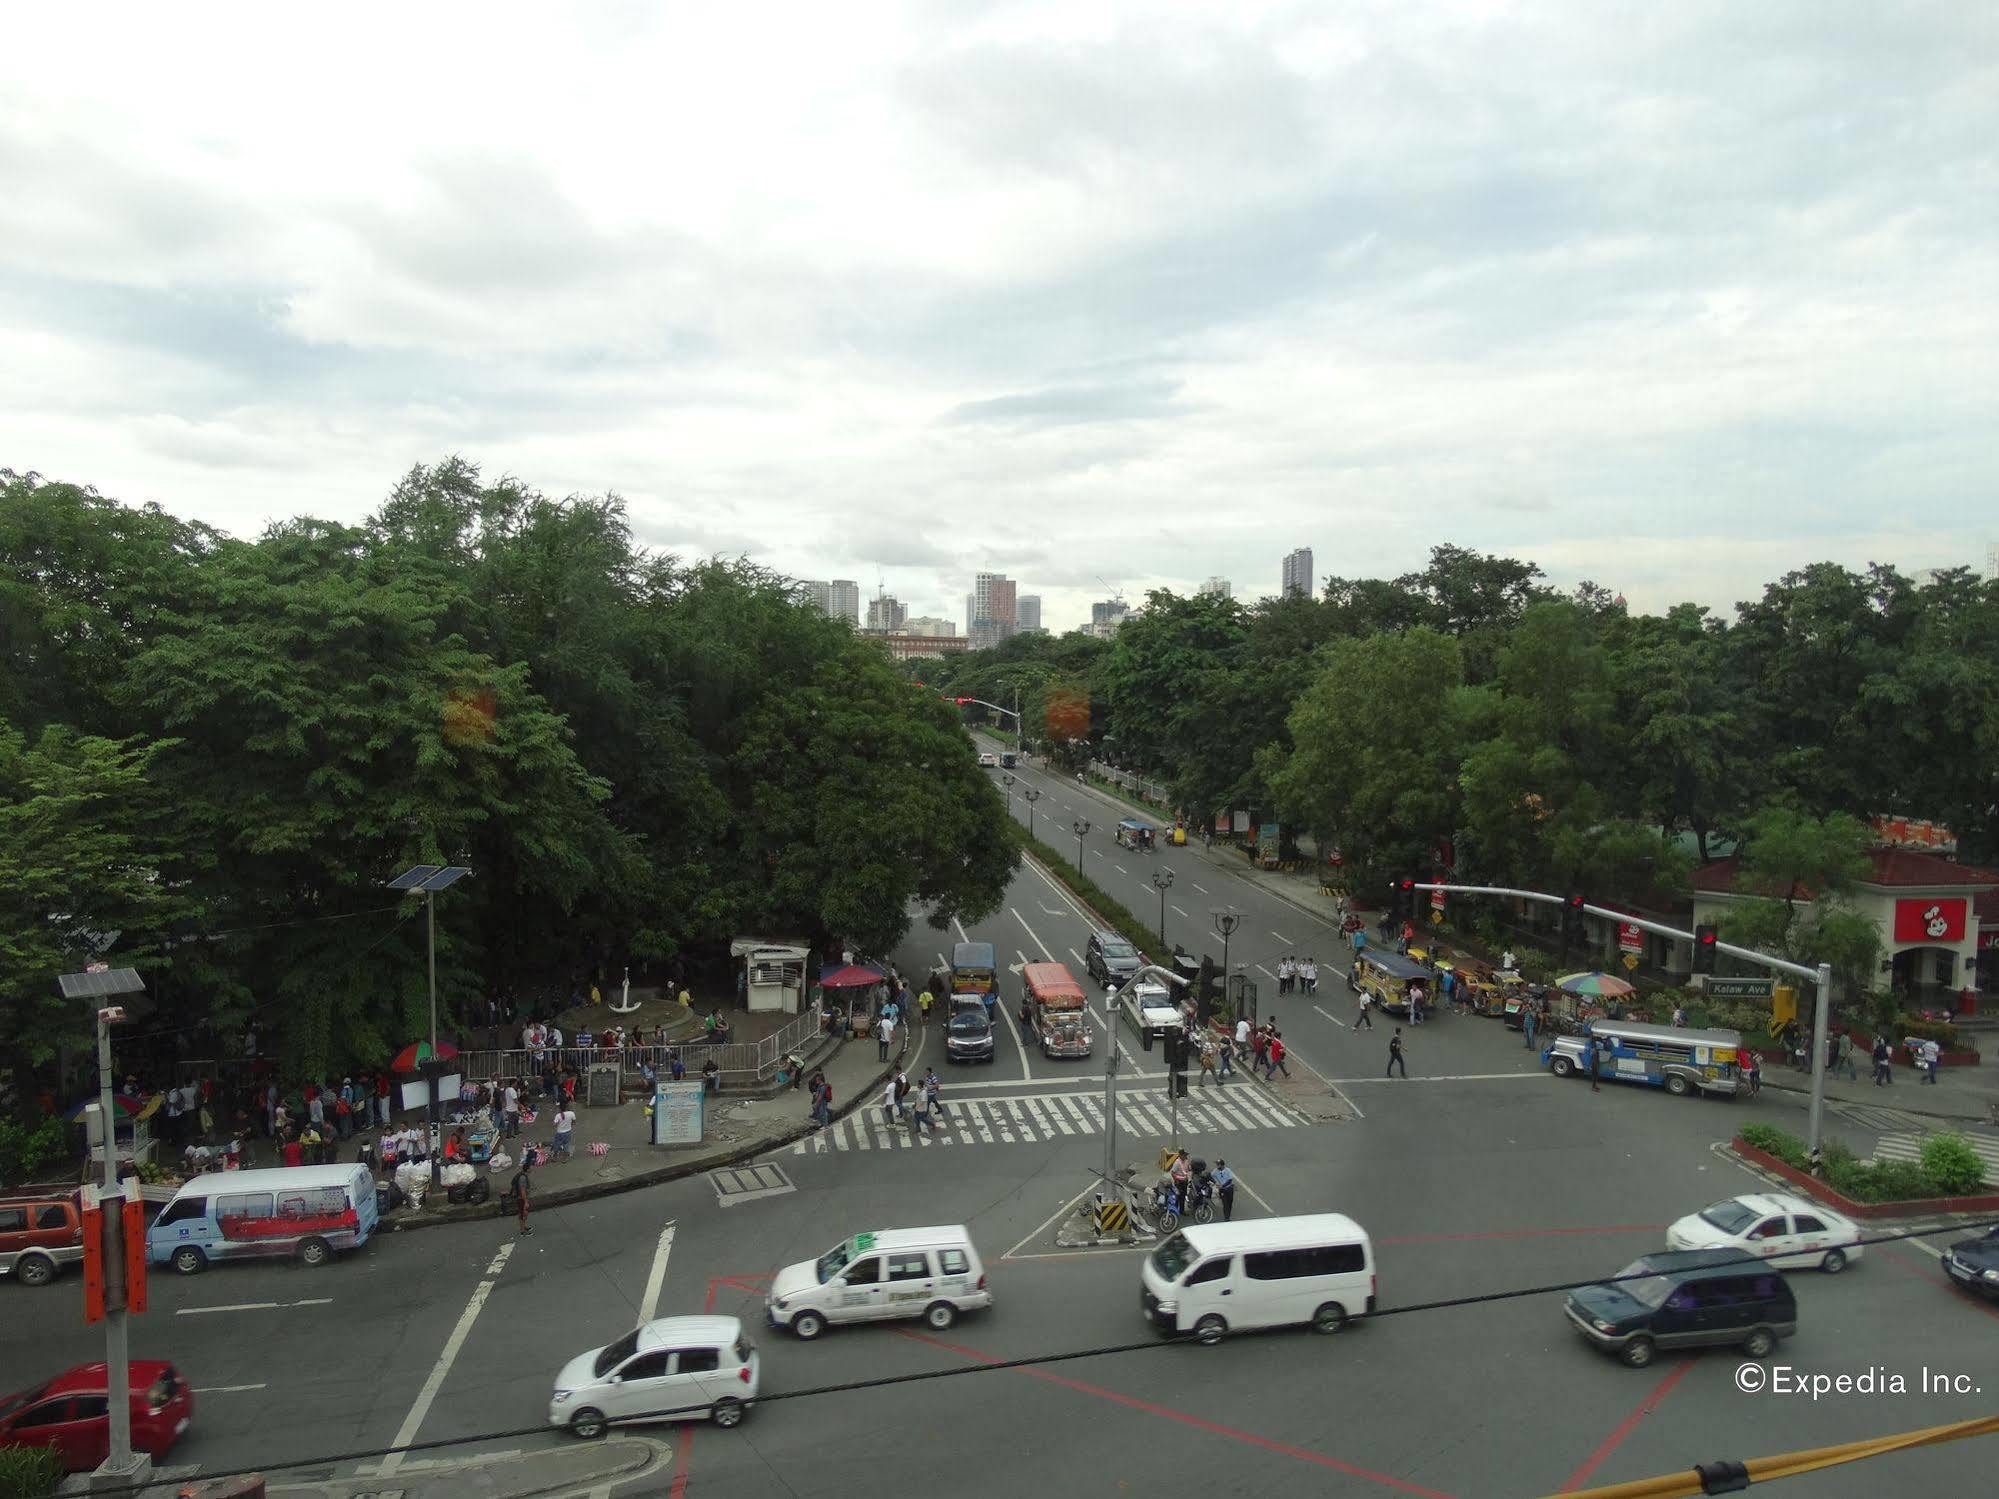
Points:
[843,600]
[1106,616]
[1027,613]
[886,614]
[994,612]
[1221,588]
[1298,572]
[814,593]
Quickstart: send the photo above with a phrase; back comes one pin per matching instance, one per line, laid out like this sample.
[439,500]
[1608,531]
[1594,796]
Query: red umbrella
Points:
[853,976]
[412,1057]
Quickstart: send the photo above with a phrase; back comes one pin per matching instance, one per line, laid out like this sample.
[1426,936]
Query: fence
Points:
[740,1062]
[1130,784]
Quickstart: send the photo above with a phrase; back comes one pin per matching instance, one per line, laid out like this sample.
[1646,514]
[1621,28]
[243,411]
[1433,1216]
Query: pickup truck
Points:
[1150,1012]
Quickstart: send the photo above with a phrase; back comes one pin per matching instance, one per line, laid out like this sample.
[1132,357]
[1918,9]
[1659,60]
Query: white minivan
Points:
[932,1273]
[1216,1278]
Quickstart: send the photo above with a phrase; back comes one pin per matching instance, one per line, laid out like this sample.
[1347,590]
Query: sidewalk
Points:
[736,1127]
[1960,1094]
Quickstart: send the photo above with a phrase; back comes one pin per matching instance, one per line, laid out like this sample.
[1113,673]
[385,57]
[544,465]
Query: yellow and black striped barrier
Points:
[1113,1217]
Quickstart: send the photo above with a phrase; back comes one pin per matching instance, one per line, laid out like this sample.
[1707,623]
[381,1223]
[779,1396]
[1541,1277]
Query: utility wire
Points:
[1975,1427]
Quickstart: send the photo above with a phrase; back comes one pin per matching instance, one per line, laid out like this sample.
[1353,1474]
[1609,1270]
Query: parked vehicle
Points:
[72,1413]
[1693,1298]
[307,1211]
[1109,959]
[1672,1057]
[1315,1270]
[932,1273]
[1061,1014]
[40,1232]
[671,1369]
[1774,1227]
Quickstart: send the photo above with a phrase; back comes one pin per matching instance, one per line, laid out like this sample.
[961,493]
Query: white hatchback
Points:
[674,1369]
[1775,1227]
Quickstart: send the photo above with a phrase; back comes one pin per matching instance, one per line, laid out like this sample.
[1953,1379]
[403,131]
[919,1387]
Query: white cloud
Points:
[1676,300]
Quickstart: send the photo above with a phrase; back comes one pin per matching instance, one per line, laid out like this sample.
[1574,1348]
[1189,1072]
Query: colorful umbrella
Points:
[118,1100]
[413,1056]
[1599,985]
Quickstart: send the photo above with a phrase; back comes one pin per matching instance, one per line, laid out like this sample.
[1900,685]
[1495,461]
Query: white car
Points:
[1150,1011]
[989,762]
[1787,1231]
[674,1369]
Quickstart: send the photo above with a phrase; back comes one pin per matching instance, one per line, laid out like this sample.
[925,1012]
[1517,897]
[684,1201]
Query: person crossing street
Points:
[1395,1057]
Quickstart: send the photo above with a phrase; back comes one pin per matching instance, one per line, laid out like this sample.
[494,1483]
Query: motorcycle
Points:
[1168,1208]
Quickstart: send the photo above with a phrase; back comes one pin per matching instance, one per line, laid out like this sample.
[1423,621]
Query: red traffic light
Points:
[1405,884]
[961,701]
[1706,936]
[1576,903]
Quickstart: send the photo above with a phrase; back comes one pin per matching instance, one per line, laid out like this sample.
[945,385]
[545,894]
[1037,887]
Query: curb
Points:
[1831,1098]
[568,1196]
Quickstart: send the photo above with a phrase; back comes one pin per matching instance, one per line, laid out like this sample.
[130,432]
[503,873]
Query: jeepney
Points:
[1058,1009]
[1386,978]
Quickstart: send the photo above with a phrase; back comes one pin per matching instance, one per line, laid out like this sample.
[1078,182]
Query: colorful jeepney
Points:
[1061,1014]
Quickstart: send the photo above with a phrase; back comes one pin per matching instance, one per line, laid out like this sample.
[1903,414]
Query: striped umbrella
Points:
[1595,985]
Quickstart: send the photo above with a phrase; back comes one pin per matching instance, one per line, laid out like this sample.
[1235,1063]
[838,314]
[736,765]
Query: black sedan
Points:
[1974,1263]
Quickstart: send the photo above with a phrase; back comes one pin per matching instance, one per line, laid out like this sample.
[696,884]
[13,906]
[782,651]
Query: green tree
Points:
[1797,874]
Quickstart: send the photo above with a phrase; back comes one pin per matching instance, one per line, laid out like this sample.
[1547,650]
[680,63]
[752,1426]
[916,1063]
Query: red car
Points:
[72,1413]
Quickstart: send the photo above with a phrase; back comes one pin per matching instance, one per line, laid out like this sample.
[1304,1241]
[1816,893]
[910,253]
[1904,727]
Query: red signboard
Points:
[1938,919]
[1630,938]
[1437,900]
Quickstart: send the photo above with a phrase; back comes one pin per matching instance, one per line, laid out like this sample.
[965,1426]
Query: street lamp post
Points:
[1030,795]
[99,985]
[1162,881]
[1081,827]
[427,880]
[1226,922]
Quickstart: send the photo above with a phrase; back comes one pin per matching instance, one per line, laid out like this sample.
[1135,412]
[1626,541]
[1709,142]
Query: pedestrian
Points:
[1284,975]
[933,1092]
[1752,1071]
[1416,1004]
[1207,1060]
[1363,1021]
[1224,1061]
[1843,1057]
[1311,975]
[521,1193]
[1679,1015]
[1359,940]
[343,1110]
[1932,1055]
[923,1003]
[891,1102]
[1260,1044]
[1395,1055]
[1883,1052]
[1507,961]
[510,1111]
[1408,936]
[1527,1024]
[1277,1056]
[1595,1065]
[919,1115]
[565,1125]
[1241,1034]
[1225,1189]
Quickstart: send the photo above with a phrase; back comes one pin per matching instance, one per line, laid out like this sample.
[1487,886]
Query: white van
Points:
[932,1273]
[1217,1278]
[307,1211]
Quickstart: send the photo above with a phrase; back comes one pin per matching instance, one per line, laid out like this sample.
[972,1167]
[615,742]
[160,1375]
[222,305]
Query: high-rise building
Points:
[994,615]
[1298,572]
[1219,587]
[886,614]
[1027,612]
[843,600]
[971,613]
[924,624]
[815,592]
[1106,616]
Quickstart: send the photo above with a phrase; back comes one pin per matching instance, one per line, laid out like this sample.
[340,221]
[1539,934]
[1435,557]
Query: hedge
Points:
[29,1472]
[1139,934]
[1949,1167]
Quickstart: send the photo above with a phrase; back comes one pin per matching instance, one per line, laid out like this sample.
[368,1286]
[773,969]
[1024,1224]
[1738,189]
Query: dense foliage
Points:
[1552,740]
[213,752]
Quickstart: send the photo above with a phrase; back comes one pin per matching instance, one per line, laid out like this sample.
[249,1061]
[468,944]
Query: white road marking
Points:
[656,1278]
[961,929]
[1121,869]
[1286,941]
[252,1306]
[1176,911]
[1332,1017]
[225,1389]
[413,1422]
[1257,1195]
[1198,887]
[1455,1077]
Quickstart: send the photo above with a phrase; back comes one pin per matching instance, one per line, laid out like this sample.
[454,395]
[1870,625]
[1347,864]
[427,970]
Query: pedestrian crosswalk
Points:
[1029,1118]
[1909,1147]
[1881,1120]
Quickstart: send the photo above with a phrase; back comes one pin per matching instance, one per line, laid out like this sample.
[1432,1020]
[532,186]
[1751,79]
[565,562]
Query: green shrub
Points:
[25,1152]
[29,1472]
[1940,1031]
[1953,1167]
[1785,1146]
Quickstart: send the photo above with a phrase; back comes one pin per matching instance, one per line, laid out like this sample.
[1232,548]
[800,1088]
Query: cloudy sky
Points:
[1673,297]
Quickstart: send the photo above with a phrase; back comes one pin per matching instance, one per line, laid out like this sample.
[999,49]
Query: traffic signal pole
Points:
[1821,976]
[1150,970]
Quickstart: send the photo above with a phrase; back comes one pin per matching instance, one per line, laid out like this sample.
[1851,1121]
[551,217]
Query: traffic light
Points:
[1405,896]
[1574,932]
[1705,940]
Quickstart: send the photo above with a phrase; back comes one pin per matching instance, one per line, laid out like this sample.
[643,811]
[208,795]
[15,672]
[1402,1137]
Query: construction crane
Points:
[1117,594]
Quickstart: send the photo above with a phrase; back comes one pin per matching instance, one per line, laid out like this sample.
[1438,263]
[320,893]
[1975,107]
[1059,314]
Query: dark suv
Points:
[1110,959]
[968,1035]
[1686,1298]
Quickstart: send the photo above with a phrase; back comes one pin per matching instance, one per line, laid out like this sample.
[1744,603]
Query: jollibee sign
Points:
[1931,919]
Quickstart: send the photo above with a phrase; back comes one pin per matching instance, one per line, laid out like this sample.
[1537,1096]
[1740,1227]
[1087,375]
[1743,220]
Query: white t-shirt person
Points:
[565,1120]
[1242,1033]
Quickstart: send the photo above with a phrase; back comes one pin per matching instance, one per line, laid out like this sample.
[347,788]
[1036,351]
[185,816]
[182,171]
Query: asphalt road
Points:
[1480,1175]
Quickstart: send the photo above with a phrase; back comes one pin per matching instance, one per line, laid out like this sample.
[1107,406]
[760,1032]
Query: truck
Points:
[1150,1011]
[1059,1012]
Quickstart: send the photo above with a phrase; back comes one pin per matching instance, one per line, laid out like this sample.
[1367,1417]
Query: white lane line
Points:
[1012,1023]
[1118,867]
[1320,1008]
[1176,911]
[1197,887]
[656,1278]
[413,1422]
[252,1306]
[1046,955]
[961,929]
[1286,941]
[225,1389]
[1266,973]
[1257,1195]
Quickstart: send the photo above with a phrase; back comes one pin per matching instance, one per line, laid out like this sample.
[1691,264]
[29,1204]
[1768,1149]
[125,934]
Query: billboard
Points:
[1931,919]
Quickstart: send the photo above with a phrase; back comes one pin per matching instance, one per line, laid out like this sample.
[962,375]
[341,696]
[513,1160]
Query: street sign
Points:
[1630,938]
[1436,918]
[1437,900]
[1631,962]
[1739,988]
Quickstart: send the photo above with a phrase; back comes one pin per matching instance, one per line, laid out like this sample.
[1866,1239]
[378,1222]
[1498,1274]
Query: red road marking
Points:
[1625,1427]
[1526,1233]
[1923,1272]
[1283,1449]
[683,1445]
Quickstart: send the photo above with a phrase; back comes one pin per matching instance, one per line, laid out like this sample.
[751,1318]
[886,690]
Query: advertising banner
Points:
[1931,919]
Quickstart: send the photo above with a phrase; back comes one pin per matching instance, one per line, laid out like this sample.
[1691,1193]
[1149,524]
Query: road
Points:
[1479,1176]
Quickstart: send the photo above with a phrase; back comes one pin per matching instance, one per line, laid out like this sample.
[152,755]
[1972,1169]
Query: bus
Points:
[1061,1014]
[1672,1057]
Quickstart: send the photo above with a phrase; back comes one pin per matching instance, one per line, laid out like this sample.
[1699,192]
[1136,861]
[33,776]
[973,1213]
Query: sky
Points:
[1675,298]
